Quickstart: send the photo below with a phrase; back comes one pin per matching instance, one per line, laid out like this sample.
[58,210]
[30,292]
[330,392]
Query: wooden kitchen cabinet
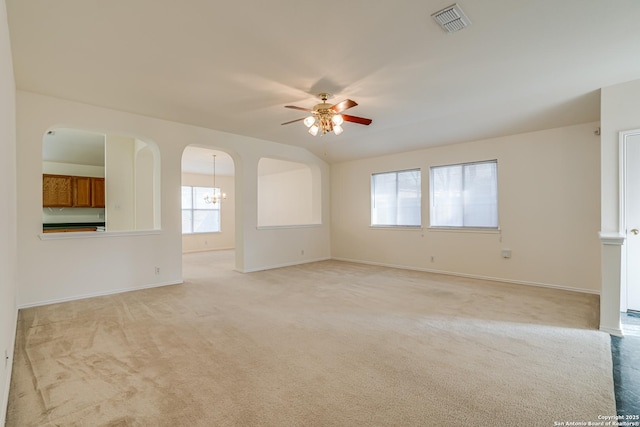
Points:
[57,191]
[72,191]
[97,192]
[81,192]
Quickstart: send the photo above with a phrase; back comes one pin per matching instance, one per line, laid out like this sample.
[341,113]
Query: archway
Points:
[208,200]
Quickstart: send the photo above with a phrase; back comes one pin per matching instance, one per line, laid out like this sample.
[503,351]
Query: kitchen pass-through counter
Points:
[72,227]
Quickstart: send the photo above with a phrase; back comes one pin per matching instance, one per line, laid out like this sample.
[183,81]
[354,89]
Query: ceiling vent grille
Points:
[451,18]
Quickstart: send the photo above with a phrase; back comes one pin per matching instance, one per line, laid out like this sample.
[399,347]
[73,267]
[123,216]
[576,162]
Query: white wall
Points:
[619,111]
[549,212]
[57,168]
[145,194]
[8,221]
[119,183]
[71,266]
[225,239]
[285,198]
[72,215]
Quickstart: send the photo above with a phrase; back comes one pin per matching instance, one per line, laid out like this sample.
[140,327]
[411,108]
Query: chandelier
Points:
[216,196]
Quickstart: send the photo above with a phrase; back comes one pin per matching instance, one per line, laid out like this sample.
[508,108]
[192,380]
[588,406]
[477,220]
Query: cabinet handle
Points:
[635,231]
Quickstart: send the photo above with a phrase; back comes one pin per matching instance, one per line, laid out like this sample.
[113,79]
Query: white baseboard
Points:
[612,331]
[472,276]
[288,264]
[193,251]
[98,294]
[7,384]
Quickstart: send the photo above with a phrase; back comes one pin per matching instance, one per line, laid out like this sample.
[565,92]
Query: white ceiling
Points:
[521,66]
[73,146]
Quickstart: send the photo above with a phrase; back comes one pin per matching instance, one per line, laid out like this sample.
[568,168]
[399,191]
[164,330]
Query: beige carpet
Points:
[323,344]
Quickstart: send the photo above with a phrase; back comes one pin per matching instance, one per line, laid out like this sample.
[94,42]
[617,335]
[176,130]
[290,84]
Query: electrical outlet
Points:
[157,270]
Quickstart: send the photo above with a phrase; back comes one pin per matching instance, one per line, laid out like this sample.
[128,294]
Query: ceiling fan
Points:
[325,117]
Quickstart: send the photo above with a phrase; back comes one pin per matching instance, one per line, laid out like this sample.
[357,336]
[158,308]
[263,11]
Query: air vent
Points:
[451,18]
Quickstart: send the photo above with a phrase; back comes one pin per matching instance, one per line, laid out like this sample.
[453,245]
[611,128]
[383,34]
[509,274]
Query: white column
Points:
[611,275]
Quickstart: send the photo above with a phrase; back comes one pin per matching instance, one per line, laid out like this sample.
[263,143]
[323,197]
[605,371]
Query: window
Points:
[198,216]
[465,195]
[395,198]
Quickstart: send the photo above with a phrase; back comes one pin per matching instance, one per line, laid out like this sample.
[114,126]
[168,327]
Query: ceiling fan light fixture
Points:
[309,121]
[326,118]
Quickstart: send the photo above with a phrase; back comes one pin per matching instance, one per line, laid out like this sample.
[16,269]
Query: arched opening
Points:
[99,182]
[208,200]
[289,193]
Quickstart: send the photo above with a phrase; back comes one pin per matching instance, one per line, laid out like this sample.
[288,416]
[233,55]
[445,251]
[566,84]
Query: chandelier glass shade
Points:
[324,121]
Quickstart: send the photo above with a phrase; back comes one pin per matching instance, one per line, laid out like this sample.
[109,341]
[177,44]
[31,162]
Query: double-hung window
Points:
[199,215]
[464,195]
[395,198]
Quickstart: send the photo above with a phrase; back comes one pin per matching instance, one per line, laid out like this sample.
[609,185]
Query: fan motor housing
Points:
[323,106]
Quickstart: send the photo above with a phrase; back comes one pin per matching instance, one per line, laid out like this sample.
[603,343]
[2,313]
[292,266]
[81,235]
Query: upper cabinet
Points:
[57,191]
[97,192]
[81,191]
[72,191]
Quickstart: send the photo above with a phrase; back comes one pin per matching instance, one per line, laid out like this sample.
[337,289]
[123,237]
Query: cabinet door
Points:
[81,192]
[97,192]
[57,191]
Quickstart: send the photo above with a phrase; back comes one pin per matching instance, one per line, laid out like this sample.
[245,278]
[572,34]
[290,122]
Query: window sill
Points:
[397,227]
[92,234]
[201,232]
[478,230]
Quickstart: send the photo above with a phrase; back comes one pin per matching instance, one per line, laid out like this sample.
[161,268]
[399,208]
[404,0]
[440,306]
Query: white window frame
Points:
[193,209]
[463,226]
[373,199]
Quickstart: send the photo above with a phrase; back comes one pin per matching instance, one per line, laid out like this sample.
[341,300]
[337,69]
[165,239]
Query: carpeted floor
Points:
[322,344]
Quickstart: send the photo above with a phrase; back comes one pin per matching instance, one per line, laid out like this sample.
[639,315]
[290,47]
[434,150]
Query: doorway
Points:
[208,200]
[630,289]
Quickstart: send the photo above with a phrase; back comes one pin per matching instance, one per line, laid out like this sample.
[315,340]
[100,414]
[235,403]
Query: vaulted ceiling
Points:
[521,66]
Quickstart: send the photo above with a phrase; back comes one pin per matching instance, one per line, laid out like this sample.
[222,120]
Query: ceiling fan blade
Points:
[354,119]
[293,121]
[298,108]
[341,106]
